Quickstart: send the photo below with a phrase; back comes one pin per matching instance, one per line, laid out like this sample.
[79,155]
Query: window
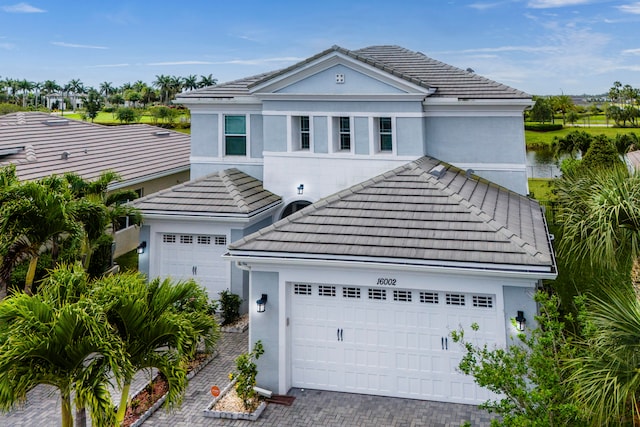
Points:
[186,239]
[379,294]
[385,134]
[351,292]
[429,297]
[404,296]
[483,301]
[220,240]
[301,289]
[344,133]
[235,135]
[326,291]
[204,240]
[168,238]
[305,135]
[455,299]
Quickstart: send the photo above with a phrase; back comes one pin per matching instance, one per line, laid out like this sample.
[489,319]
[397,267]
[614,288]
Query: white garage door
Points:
[186,256]
[389,342]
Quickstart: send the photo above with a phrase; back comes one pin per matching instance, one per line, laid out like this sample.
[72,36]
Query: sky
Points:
[543,47]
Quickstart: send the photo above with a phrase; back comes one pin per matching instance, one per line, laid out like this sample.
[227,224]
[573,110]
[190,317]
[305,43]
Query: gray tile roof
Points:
[228,192]
[415,67]
[136,152]
[410,216]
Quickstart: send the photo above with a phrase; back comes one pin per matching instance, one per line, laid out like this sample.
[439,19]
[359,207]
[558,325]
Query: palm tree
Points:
[160,325]
[607,375]
[207,81]
[76,87]
[190,82]
[163,83]
[600,217]
[33,218]
[61,338]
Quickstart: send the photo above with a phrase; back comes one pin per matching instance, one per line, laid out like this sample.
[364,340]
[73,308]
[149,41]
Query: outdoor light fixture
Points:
[141,247]
[300,188]
[262,303]
[520,320]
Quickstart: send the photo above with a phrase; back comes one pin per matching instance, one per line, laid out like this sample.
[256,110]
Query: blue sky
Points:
[539,46]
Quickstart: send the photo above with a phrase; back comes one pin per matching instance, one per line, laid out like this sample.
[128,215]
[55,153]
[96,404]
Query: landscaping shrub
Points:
[230,307]
[542,127]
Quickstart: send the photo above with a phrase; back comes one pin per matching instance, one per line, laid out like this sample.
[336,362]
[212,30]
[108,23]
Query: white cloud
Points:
[262,60]
[631,52]
[545,4]
[529,49]
[22,8]
[630,8]
[485,6]
[77,46]
[7,46]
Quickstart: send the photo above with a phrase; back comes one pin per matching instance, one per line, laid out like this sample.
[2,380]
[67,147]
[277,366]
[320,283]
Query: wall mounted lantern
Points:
[262,303]
[520,321]
[141,247]
[300,188]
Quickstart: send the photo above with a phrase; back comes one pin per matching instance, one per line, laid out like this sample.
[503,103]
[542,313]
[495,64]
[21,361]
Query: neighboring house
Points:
[147,158]
[397,186]
[57,101]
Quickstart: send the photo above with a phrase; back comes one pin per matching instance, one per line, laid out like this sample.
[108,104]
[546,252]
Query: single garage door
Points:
[390,342]
[186,256]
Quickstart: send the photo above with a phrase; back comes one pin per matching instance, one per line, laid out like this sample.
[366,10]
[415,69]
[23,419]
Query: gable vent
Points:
[438,171]
[56,122]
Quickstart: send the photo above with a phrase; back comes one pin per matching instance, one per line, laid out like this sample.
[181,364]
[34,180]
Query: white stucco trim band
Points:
[199,216]
[512,167]
[519,271]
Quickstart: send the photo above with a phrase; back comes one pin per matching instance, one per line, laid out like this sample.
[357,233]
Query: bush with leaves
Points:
[246,376]
[529,376]
[230,307]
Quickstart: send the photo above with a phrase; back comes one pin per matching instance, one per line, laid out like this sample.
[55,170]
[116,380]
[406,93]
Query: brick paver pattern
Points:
[310,408]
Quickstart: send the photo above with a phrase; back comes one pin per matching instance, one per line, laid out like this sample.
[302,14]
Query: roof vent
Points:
[438,171]
[469,172]
[64,155]
[162,133]
[56,122]
[10,150]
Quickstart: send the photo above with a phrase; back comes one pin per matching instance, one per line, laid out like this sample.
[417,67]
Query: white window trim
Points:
[221,135]
[374,136]
[294,142]
[334,136]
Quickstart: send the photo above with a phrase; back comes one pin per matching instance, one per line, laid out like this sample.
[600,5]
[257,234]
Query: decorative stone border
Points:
[160,401]
[210,413]
[240,326]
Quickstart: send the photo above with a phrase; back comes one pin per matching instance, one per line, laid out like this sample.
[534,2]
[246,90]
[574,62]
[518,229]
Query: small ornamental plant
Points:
[246,376]
[229,304]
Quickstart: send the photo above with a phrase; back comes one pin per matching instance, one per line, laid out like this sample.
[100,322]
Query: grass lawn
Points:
[109,119]
[541,188]
[541,139]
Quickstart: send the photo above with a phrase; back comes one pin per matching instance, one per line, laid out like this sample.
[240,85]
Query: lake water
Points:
[542,164]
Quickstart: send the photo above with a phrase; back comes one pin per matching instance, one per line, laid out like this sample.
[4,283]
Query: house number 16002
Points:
[383,281]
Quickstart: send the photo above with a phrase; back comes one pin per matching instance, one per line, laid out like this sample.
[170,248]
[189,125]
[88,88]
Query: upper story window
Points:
[344,133]
[235,135]
[305,134]
[385,134]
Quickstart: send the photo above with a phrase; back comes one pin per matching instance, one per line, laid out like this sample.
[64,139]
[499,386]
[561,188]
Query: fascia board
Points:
[519,271]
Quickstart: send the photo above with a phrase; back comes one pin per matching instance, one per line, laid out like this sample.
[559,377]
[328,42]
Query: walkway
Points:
[311,407]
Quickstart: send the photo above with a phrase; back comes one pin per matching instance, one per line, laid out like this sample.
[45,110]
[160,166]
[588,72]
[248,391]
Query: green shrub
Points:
[230,306]
[542,127]
[101,256]
[246,376]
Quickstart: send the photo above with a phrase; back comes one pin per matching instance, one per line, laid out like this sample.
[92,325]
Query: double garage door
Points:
[195,256]
[390,342]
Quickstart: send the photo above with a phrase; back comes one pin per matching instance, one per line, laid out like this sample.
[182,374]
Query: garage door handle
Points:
[341,335]
[446,343]
[442,342]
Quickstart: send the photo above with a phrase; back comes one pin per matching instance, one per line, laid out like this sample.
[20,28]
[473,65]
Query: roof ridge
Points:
[233,189]
[487,219]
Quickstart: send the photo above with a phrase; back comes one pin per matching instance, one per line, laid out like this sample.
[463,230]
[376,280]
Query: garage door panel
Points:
[389,347]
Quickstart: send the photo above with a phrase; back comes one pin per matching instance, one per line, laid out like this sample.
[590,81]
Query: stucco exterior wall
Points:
[264,326]
[519,298]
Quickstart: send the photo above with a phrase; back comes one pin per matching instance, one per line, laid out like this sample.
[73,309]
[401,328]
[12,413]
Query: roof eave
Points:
[536,272]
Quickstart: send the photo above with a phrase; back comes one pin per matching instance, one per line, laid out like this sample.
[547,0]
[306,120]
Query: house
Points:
[147,158]
[384,206]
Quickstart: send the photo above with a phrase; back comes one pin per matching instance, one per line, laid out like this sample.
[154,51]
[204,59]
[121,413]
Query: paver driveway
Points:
[311,407]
